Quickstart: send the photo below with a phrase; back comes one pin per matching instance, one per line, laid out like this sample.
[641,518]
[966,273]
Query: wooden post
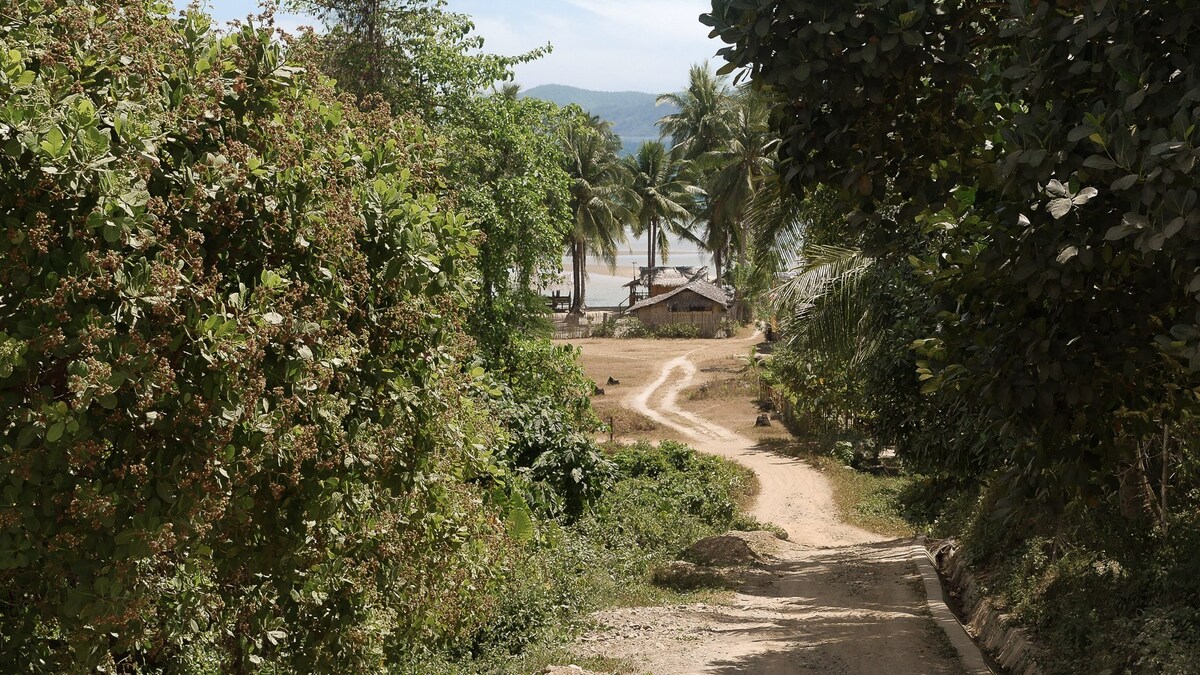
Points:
[611,430]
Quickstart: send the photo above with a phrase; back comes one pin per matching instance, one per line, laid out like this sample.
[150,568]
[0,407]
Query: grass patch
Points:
[624,420]
[871,500]
[665,498]
[867,500]
[725,388]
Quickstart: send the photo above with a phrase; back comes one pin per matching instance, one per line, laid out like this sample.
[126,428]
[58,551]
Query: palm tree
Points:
[601,200]
[738,167]
[825,303]
[776,219]
[663,193]
[702,124]
[509,91]
[703,120]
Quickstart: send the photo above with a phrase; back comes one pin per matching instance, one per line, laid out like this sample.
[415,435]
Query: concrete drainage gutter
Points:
[968,652]
[986,628]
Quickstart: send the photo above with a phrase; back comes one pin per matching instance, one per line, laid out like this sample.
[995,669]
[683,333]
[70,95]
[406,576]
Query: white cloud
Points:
[676,20]
[643,45]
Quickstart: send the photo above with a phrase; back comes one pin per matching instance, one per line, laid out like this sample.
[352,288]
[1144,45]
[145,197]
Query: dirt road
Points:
[832,599]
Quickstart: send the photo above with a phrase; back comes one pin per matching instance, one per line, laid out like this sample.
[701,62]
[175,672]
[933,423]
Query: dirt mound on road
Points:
[724,550]
[733,549]
[686,576]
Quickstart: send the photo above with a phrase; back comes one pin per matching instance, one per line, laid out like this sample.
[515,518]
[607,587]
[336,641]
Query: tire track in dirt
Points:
[832,599]
[793,495]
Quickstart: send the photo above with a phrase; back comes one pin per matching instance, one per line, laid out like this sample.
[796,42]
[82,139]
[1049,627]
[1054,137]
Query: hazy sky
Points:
[611,45]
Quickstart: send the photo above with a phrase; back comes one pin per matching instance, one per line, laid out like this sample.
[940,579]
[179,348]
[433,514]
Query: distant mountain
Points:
[633,113]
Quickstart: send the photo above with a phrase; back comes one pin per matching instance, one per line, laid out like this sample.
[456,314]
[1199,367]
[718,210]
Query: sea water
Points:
[606,289]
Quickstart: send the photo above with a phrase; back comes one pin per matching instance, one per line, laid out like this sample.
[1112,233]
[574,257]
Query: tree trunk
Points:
[372,20]
[653,254]
[1131,499]
[745,237]
[582,277]
[1166,477]
[650,245]
[576,278]
[718,258]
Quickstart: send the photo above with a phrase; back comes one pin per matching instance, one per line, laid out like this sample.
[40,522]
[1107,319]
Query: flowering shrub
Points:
[230,306]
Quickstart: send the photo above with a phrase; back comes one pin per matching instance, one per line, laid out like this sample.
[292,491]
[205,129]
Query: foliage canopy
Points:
[1038,162]
[244,422]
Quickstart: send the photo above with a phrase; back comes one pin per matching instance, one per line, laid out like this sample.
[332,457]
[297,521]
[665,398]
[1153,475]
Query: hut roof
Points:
[697,286]
[668,276]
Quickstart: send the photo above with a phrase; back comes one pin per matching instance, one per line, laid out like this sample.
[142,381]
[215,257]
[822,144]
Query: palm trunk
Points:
[653,254]
[743,312]
[718,258]
[742,248]
[576,278]
[582,301]
[650,246]
[716,248]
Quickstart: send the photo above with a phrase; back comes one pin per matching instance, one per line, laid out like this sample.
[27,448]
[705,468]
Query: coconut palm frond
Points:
[602,201]
[775,216]
[824,303]
[703,119]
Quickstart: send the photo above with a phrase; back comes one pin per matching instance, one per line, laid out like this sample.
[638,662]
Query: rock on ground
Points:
[568,670]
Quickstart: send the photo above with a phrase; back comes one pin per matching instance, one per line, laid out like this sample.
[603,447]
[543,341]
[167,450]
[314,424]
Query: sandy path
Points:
[833,599]
[794,495]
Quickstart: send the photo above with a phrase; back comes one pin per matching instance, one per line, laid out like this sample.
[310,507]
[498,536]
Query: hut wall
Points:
[687,306]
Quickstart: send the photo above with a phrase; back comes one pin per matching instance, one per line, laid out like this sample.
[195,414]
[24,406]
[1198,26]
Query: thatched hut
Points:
[652,281]
[696,303]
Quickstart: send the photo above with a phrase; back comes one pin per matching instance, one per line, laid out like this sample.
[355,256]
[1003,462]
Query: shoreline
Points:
[605,286]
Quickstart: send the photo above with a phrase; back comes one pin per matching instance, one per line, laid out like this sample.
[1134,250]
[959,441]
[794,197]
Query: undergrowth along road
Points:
[833,598]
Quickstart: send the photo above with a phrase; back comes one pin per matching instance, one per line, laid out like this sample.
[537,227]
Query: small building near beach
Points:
[652,281]
[697,303]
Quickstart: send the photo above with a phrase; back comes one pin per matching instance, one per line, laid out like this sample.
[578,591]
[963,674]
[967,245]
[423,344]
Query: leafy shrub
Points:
[544,406]
[661,500]
[606,328]
[939,505]
[236,430]
[728,328]
[856,451]
[666,498]
[630,327]
[1104,599]
[676,330]
[825,392]
[843,451]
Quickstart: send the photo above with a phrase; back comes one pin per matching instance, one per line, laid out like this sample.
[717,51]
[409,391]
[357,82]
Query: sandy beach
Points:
[606,285]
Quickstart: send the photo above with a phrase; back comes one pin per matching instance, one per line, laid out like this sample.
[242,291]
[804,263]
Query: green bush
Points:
[843,451]
[236,428]
[630,327]
[543,404]
[661,500]
[606,328]
[676,330]
[1097,596]
[665,499]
